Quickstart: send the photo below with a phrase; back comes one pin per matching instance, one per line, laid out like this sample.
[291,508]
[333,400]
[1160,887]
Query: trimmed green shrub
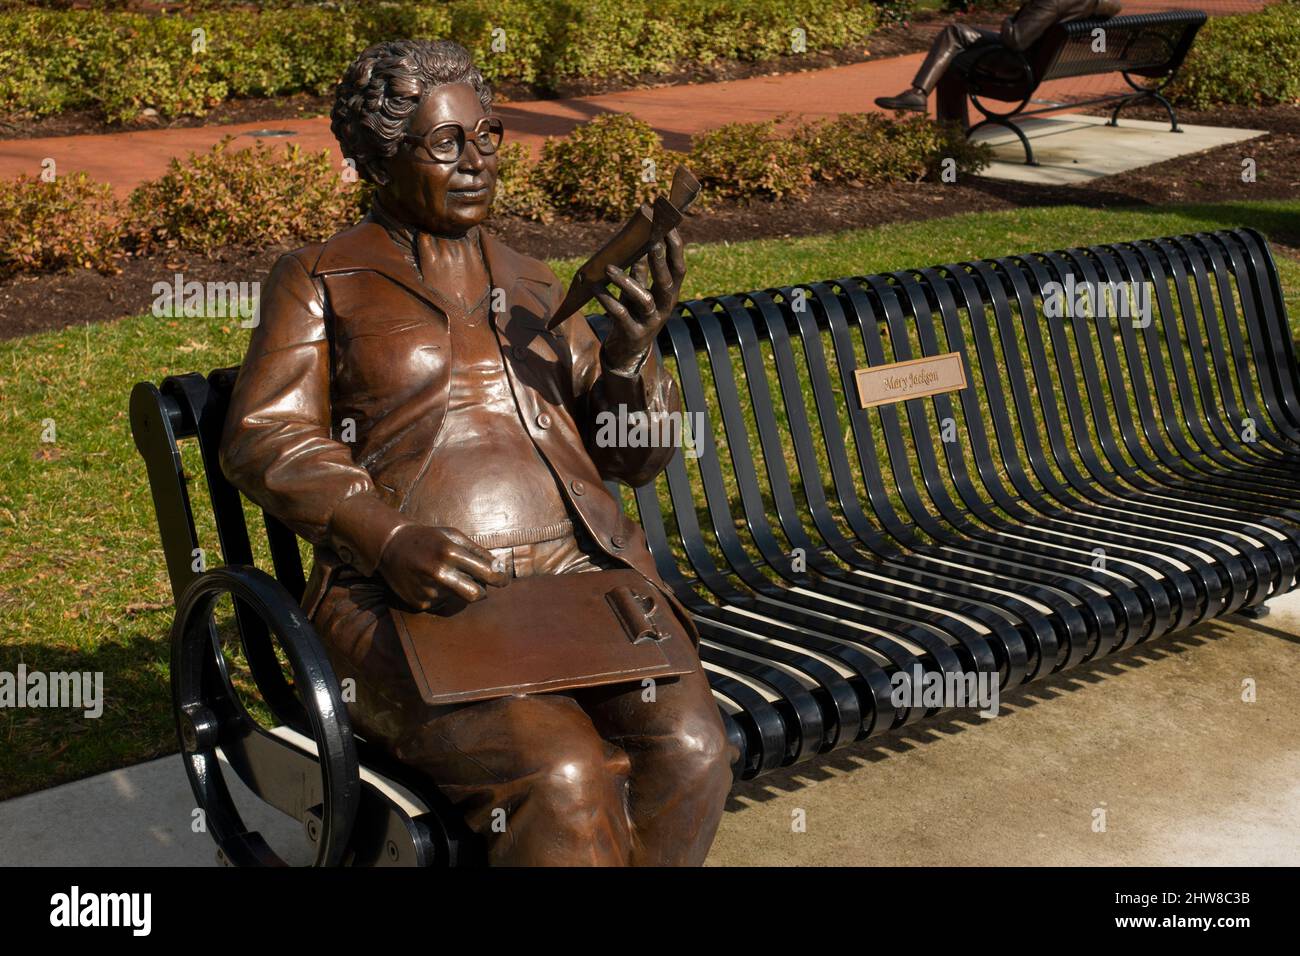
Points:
[125,62]
[246,197]
[606,167]
[122,62]
[609,38]
[71,223]
[45,60]
[508,39]
[748,159]
[1247,60]
[966,6]
[155,63]
[620,37]
[895,11]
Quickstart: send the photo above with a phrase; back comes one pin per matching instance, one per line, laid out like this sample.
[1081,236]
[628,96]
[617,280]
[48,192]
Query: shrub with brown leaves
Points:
[519,187]
[606,168]
[751,159]
[70,223]
[251,197]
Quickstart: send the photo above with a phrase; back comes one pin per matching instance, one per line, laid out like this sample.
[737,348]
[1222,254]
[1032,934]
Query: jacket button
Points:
[619,542]
[520,352]
[345,555]
[543,420]
[577,486]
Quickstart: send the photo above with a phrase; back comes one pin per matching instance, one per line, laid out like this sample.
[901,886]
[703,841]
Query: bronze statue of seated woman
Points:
[404,407]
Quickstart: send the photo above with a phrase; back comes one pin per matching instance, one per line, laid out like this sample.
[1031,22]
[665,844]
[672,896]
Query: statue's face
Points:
[442,198]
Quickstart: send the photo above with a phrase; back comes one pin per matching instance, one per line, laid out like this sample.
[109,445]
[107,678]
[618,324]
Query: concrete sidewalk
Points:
[1072,148]
[676,112]
[1160,742]
[1159,745]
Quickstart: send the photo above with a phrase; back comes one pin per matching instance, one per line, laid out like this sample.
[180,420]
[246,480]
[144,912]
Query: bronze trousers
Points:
[950,41]
[606,776]
[950,101]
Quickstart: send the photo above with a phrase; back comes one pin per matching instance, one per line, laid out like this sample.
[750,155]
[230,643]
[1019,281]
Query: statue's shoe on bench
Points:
[912,100]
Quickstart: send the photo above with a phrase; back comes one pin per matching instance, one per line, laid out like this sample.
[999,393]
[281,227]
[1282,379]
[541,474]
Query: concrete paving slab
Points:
[1159,745]
[1160,741]
[1074,148]
[137,816]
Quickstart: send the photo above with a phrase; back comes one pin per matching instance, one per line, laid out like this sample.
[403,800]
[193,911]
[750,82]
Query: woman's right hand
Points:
[424,566]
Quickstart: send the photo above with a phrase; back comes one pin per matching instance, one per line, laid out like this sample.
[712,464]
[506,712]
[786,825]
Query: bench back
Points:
[787,457]
[1143,45]
[193,407]
[1149,44]
[791,460]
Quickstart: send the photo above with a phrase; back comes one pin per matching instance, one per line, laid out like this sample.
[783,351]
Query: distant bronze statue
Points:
[1019,31]
[404,407]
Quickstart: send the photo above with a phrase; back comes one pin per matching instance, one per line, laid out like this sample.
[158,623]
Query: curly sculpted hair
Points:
[382,89]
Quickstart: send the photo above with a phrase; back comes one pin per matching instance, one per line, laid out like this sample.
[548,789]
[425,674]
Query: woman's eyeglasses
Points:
[446,143]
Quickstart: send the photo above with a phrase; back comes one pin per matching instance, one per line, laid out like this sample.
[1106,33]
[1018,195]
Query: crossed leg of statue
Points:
[951,41]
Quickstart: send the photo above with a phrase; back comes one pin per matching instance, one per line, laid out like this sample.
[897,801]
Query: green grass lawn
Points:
[82,585]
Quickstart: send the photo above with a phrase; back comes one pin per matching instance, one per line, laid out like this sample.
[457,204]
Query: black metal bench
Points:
[1097,484]
[1143,47]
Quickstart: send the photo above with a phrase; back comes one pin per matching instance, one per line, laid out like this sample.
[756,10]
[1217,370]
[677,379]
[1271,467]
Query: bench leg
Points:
[1255,611]
[950,100]
[1024,140]
[1146,95]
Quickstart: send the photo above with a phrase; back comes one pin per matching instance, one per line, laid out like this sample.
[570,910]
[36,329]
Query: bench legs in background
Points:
[1146,95]
[1007,124]
[1255,612]
[950,100]
[953,93]
[1005,121]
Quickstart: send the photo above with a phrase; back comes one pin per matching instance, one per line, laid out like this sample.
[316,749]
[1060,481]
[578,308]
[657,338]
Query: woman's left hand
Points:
[642,306]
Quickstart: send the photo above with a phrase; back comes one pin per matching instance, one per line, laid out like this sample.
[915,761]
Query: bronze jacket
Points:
[1021,29]
[350,339]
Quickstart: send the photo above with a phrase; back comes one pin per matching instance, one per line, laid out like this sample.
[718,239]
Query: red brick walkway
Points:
[677,112]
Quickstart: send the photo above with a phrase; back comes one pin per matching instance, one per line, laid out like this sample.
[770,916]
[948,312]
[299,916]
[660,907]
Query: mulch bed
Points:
[894,39]
[35,303]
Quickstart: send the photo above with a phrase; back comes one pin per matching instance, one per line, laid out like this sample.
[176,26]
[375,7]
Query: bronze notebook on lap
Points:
[545,633]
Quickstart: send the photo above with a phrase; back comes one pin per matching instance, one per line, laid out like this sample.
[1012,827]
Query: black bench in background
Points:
[1142,47]
[1100,482]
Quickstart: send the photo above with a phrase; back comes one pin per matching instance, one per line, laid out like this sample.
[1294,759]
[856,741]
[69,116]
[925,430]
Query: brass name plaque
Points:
[885,384]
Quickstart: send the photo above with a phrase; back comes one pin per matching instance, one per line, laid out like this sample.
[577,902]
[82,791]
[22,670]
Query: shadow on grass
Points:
[1279,224]
[43,746]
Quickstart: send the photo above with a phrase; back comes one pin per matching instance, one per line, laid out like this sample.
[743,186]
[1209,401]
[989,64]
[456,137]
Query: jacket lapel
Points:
[367,247]
[528,285]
